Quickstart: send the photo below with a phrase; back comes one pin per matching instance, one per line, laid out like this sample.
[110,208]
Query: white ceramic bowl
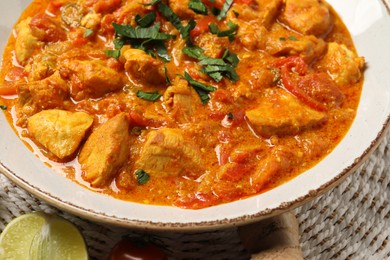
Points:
[369,24]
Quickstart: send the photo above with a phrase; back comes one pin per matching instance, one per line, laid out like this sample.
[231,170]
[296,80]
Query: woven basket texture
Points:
[351,221]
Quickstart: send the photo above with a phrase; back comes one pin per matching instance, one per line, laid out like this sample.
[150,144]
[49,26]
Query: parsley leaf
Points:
[225,8]
[231,32]
[3,107]
[149,96]
[145,21]
[215,68]
[148,39]
[167,12]
[198,7]
[202,89]
[113,53]
[88,32]
[142,177]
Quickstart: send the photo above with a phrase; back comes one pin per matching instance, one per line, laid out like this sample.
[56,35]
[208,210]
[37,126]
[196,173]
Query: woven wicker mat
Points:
[350,221]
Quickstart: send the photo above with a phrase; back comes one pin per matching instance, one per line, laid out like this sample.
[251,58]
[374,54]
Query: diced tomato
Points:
[202,25]
[16,73]
[322,88]
[292,70]
[79,42]
[8,88]
[222,95]
[137,119]
[55,6]
[106,24]
[104,6]
[238,118]
[216,3]
[46,29]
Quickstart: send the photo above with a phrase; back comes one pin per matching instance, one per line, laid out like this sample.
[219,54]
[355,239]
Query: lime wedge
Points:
[41,236]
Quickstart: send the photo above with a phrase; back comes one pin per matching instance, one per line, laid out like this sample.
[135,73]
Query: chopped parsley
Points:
[202,89]
[231,32]
[214,67]
[167,12]
[225,8]
[3,107]
[113,53]
[88,32]
[142,177]
[149,39]
[198,7]
[149,96]
[292,38]
[146,20]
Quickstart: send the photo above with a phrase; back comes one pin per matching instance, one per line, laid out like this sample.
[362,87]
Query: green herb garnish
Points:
[146,20]
[215,68]
[149,96]
[3,107]
[88,32]
[225,8]
[142,177]
[198,7]
[292,38]
[149,39]
[231,32]
[113,53]
[202,89]
[167,12]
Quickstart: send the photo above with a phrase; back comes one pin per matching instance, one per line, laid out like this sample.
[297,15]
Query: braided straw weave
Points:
[351,221]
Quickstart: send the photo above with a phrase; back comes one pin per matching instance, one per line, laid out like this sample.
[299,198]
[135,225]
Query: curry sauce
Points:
[183,103]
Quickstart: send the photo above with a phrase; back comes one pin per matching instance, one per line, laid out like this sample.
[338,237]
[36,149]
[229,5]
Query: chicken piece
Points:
[212,45]
[167,152]
[280,113]
[91,21]
[59,131]
[282,43]
[103,6]
[180,8]
[241,162]
[105,151]
[92,78]
[45,63]
[179,100]
[255,75]
[141,66]
[252,35]
[344,66]
[271,167]
[26,43]
[308,16]
[268,11]
[36,96]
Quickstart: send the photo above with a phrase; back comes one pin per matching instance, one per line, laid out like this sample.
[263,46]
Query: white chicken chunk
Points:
[308,16]
[280,113]
[88,83]
[59,131]
[141,66]
[26,43]
[105,151]
[168,153]
[308,47]
[344,66]
[179,98]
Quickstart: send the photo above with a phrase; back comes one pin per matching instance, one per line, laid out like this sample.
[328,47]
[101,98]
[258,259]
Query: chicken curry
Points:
[187,103]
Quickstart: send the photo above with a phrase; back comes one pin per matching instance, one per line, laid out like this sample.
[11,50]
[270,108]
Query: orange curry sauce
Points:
[183,103]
